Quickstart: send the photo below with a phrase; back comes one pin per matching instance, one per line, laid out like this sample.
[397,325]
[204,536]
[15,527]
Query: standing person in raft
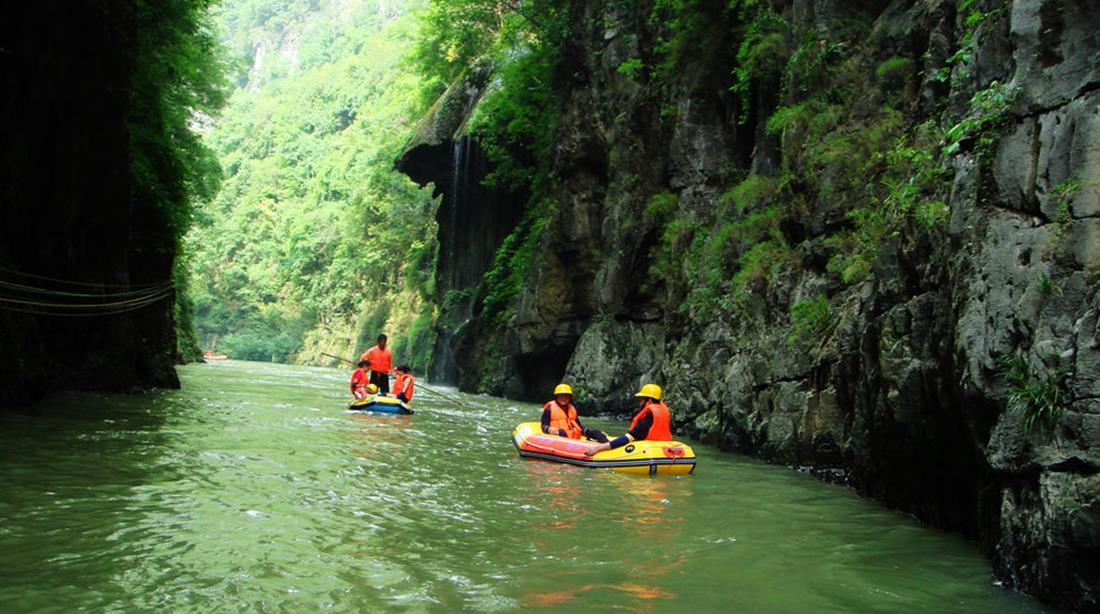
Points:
[381,363]
[559,417]
[652,422]
[359,381]
[403,385]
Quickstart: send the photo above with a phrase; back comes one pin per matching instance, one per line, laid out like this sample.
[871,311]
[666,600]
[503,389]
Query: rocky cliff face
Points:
[952,374]
[473,219]
[68,211]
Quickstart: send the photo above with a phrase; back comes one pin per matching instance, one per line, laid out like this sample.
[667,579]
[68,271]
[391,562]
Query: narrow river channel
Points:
[251,489]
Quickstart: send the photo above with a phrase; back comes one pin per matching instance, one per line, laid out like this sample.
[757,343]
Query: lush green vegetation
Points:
[863,161]
[314,242]
[515,122]
[178,75]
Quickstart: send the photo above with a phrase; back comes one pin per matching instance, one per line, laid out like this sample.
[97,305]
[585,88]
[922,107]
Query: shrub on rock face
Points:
[1037,395]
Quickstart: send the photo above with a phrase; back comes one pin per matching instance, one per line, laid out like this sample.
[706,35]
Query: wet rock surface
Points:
[905,394]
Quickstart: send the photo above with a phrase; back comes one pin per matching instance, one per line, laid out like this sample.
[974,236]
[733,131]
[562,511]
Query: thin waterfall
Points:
[444,368]
[458,188]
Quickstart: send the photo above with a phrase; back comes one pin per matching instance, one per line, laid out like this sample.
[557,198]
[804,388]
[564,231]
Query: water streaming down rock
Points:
[473,219]
[444,367]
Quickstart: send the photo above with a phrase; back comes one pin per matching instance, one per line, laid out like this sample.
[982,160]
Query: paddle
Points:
[418,384]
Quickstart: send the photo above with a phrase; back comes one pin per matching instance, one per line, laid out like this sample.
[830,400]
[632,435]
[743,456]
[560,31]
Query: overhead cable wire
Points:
[47,291]
[79,283]
[131,301]
[132,307]
[32,299]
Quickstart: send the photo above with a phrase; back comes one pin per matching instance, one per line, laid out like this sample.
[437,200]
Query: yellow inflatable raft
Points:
[644,457]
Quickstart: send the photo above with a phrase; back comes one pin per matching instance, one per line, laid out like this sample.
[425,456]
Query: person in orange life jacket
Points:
[652,422]
[559,417]
[403,385]
[359,381]
[381,363]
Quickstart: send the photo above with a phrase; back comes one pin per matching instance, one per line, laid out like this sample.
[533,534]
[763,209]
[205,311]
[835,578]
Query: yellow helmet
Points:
[563,389]
[651,391]
[371,388]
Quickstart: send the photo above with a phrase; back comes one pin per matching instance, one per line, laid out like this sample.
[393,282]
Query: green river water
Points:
[251,489]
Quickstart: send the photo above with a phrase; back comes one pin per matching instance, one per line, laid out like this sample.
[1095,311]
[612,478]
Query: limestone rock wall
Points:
[67,209]
[905,393]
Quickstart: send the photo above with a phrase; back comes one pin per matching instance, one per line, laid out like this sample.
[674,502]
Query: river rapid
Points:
[252,489]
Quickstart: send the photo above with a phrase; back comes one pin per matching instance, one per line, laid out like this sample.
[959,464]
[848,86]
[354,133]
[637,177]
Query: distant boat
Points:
[212,356]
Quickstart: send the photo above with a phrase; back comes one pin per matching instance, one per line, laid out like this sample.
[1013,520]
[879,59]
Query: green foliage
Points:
[886,177]
[686,29]
[513,262]
[453,309]
[267,340]
[894,72]
[1047,287]
[314,239]
[749,245]
[811,64]
[975,18]
[515,122]
[987,116]
[808,317]
[1038,397]
[753,191]
[452,34]
[187,341]
[660,207]
[762,54]
[178,76]
[417,343]
[1062,196]
[632,68]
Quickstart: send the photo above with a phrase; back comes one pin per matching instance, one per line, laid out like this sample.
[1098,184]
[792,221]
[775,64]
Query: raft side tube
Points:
[381,404]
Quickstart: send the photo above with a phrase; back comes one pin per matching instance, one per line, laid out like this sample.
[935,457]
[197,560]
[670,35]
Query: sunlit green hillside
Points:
[314,243]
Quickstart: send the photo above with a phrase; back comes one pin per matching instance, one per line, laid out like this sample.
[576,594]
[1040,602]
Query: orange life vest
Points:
[564,419]
[380,360]
[403,379]
[661,429]
[359,381]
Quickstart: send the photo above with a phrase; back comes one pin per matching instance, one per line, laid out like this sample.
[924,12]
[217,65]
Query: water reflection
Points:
[637,521]
[376,436]
[558,487]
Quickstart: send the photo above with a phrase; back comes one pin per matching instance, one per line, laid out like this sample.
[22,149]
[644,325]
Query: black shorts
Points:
[382,380]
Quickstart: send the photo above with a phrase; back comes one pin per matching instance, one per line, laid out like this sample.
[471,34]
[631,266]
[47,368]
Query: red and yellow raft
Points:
[644,457]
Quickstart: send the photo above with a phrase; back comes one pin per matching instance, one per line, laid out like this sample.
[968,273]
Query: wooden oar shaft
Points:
[436,392]
[418,384]
[350,362]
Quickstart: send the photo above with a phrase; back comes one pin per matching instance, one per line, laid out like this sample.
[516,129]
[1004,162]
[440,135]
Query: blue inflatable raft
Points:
[382,405]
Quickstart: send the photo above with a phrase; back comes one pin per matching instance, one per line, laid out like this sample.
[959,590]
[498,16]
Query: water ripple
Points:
[253,489]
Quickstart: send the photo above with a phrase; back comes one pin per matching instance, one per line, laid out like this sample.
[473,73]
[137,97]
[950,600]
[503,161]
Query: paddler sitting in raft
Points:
[403,384]
[359,381]
[559,417]
[652,422]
